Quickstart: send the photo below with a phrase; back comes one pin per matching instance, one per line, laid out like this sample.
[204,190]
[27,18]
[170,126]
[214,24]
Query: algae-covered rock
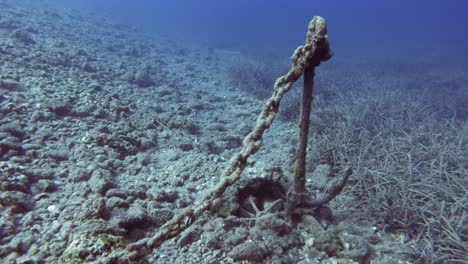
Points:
[250,251]
[18,201]
[88,248]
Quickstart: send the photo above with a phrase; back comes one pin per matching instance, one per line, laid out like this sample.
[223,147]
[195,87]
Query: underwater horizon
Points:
[393,27]
[210,131]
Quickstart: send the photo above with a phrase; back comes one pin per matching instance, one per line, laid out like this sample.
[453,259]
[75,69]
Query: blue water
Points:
[392,28]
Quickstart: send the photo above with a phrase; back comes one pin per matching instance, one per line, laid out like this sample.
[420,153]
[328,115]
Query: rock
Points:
[160,216]
[24,36]
[101,209]
[250,251]
[329,243]
[123,145]
[116,202]
[94,86]
[232,142]
[162,195]
[14,128]
[44,186]
[22,243]
[187,146]
[129,77]
[27,260]
[12,85]
[87,67]
[212,147]
[100,181]
[9,147]
[84,247]
[135,217]
[143,79]
[57,154]
[193,128]
[146,144]
[60,107]
[7,23]
[189,236]
[238,236]
[20,202]
[321,239]
[355,247]
[15,182]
